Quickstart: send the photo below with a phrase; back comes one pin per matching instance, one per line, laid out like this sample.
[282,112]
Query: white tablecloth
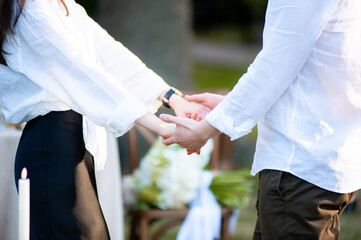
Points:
[9,139]
[108,183]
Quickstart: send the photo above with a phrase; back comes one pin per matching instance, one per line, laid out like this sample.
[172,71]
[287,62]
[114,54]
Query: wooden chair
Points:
[141,220]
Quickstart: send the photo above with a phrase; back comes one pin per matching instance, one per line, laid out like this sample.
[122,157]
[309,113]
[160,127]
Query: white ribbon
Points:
[204,218]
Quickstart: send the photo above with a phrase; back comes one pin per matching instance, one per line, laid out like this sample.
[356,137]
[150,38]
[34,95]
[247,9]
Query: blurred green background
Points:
[201,45]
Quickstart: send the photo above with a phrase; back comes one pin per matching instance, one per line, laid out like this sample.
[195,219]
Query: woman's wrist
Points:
[175,101]
[168,96]
[154,124]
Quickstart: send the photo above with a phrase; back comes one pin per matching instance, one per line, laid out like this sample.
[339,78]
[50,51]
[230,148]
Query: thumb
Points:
[167,141]
[195,98]
[170,119]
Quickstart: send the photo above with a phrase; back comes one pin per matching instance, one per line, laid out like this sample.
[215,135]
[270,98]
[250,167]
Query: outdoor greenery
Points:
[216,77]
[350,224]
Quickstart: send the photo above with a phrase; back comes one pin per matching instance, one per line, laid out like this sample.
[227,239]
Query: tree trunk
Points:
[157,31]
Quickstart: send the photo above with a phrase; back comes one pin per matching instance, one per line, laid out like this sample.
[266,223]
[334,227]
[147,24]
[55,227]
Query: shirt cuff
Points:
[156,104]
[226,124]
[147,86]
[125,114]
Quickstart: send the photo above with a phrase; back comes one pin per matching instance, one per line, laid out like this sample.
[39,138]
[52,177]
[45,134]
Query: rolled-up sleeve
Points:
[52,59]
[290,32]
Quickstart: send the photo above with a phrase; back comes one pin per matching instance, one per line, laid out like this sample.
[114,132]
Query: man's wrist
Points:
[207,130]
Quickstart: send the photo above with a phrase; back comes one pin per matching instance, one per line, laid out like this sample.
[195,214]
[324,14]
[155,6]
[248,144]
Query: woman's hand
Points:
[154,124]
[189,134]
[166,130]
[210,100]
[183,108]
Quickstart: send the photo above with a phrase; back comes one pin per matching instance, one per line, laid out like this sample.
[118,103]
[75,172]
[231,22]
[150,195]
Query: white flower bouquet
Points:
[168,178]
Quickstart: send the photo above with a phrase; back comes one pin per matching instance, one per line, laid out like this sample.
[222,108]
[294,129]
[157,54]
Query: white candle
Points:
[24,206]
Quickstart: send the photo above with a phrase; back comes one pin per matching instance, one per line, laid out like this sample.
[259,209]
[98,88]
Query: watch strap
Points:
[168,94]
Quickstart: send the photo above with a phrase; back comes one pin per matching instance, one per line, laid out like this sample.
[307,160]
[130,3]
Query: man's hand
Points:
[209,100]
[189,134]
[183,108]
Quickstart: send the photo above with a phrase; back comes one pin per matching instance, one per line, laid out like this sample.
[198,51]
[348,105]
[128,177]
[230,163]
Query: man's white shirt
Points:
[304,92]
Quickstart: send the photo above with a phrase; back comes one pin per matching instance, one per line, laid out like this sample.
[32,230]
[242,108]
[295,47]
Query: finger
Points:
[170,119]
[169,130]
[167,141]
[190,152]
[194,116]
[181,114]
[199,118]
[195,98]
[207,110]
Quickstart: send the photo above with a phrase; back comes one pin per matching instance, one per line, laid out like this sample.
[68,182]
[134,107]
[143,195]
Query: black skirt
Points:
[63,195]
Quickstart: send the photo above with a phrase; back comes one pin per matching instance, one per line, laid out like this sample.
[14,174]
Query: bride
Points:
[67,77]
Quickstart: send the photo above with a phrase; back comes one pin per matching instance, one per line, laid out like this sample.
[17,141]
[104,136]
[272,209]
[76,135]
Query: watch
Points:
[168,94]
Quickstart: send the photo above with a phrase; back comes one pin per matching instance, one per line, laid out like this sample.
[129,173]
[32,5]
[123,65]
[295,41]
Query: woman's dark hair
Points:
[7,22]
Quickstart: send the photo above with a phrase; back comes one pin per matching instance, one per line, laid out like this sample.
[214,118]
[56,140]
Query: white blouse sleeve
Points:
[291,30]
[51,58]
[126,67]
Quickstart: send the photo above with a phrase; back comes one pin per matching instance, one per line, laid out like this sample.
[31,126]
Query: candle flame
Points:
[24,173]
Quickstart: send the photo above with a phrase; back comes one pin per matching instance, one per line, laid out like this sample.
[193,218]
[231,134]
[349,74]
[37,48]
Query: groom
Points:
[304,92]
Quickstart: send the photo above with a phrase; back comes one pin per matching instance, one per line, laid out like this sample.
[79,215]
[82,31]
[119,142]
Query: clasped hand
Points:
[192,131]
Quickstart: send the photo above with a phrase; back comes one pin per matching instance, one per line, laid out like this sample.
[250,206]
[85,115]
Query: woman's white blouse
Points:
[304,91]
[63,63]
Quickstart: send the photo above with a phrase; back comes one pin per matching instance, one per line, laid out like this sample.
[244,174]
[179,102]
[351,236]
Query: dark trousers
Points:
[63,196]
[291,208]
